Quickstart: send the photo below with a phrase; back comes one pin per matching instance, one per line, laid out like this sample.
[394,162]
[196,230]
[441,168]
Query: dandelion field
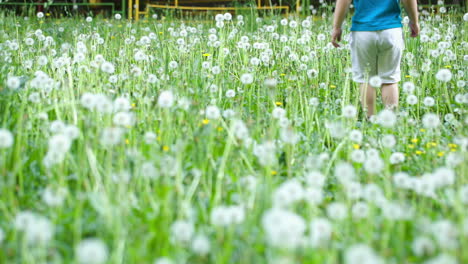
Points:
[237,140]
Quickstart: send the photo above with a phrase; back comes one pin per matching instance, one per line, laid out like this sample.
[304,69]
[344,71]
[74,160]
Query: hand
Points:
[414,27]
[336,36]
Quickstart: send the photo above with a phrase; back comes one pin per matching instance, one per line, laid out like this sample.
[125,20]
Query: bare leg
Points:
[390,95]
[368,98]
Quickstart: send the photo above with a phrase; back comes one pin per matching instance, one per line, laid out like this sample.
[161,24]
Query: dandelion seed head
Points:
[375,81]
[6,138]
[444,75]
[246,78]
[91,251]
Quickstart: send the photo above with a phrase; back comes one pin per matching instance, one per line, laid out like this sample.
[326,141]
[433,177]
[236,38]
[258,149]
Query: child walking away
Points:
[376,45]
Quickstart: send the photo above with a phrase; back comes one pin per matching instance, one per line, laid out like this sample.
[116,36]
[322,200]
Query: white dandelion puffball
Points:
[54,197]
[465,17]
[444,75]
[314,101]
[247,78]
[320,231]
[284,229]
[374,165]
[349,111]
[337,211]
[166,99]
[6,138]
[182,231]
[163,260]
[212,112]
[107,67]
[56,126]
[375,81]
[355,136]
[386,118]
[60,143]
[201,245]
[91,251]
[397,158]
[360,210]
[344,172]
[36,228]
[13,82]
[230,93]
[361,253]
[89,19]
[40,15]
[430,121]
[429,101]
[408,87]
[118,16]
[388,141]
[443,258]
[39,230]
[412,99]
[358,156]
[111,136]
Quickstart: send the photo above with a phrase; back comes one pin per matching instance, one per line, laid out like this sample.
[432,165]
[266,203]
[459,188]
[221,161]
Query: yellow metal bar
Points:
[162,6]
[176,3]
[298,6]
[137,10]
[259,3]
[216,8]
[130,9]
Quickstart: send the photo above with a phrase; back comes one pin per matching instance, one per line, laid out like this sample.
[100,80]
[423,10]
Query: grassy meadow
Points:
[236,139]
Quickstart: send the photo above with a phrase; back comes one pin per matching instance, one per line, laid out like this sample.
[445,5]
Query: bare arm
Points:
[411,8]
[341,9]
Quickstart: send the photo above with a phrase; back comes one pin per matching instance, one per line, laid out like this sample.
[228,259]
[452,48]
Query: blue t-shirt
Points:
[373,15]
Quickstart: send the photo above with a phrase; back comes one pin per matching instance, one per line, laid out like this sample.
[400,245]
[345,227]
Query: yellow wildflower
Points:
[411,146]
[356,146]
[278,103]
[419,152]
[440,153]
[206,54]
[127,141]
[453,146]
[332,86]
[273,172]
[414,140]
[165,148]
[205,121]
[220,129]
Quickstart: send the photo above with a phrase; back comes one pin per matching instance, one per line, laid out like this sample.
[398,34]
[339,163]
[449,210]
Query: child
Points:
[376,45]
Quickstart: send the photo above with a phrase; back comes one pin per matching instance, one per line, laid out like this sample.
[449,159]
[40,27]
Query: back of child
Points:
[377,46]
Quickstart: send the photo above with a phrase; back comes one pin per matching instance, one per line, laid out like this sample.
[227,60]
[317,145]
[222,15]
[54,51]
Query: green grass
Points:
[200,163]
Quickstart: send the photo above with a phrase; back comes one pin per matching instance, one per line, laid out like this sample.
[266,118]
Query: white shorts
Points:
[377,53]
